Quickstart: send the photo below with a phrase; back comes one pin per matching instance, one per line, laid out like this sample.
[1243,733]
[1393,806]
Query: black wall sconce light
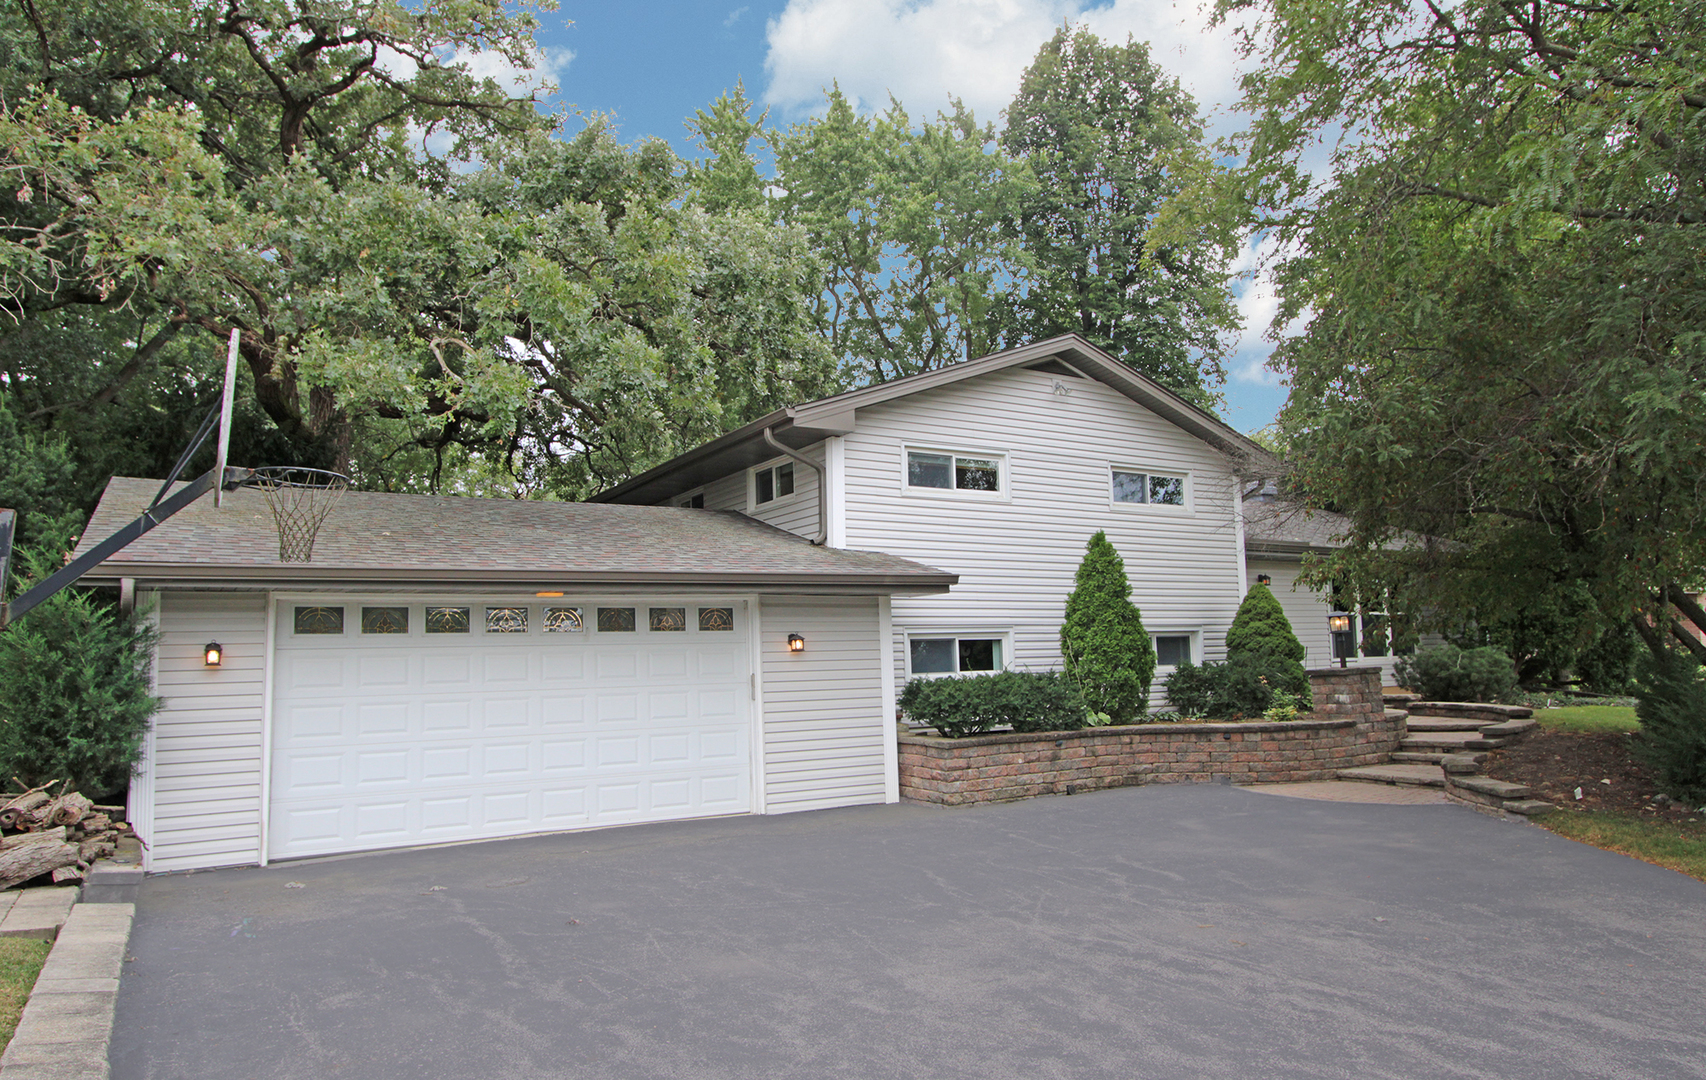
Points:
[796,643]
[213,654]
[1264,579]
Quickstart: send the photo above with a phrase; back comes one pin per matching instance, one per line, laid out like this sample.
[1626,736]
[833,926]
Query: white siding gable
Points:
[1016,552]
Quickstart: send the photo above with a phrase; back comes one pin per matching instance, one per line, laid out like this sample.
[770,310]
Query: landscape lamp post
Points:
[1339,622]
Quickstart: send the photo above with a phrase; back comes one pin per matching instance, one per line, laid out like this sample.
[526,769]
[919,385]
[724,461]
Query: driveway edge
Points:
[67,1023]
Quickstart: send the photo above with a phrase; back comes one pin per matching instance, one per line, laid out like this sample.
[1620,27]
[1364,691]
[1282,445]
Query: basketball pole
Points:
[225,404]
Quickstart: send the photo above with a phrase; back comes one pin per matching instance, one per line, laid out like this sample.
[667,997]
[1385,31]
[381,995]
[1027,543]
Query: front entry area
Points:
[399,721]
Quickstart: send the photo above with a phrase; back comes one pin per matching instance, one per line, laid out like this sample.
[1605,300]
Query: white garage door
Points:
[399,722]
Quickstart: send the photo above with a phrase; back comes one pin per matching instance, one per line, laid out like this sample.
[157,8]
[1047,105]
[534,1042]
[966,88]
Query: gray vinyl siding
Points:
[796,513]
[1016,557]
[1307,612]
[729,493]
[823,708]
[206,761]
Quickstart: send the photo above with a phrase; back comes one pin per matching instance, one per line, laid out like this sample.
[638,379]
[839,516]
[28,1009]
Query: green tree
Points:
[74,690]
[1108,137]
[1261,628]
[1106,649]
[1502,380]
[906,219]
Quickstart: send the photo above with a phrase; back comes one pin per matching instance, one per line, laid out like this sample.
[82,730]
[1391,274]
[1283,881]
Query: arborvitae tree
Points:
[1260,627]
[1106,648]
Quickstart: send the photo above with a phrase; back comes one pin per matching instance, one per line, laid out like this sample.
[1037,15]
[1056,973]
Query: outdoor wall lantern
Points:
[1339,622]
[213,654]
[796,643]
[1264,579]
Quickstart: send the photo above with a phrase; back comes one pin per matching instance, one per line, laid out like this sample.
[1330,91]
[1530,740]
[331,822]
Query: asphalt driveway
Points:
[1181,931]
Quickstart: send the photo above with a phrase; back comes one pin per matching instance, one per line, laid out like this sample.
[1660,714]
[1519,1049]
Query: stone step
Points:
[1497,789]
[1413,775]
[1398,698]
[1510,729]
[1449,741]
[1444,723]
[1529,807]
[1486,712]
[1413,757]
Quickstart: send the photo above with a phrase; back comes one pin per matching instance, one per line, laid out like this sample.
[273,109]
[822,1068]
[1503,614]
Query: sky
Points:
[652,63]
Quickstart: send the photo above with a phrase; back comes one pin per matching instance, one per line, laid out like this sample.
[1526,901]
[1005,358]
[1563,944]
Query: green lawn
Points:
[20,962]
[1588,718]
[1678,846]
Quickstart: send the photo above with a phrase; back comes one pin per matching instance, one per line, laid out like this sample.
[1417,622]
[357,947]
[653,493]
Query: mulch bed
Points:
[1556,763]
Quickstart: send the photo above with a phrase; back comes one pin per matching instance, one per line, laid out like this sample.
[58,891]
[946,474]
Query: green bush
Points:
[1447,673]
[972,705]
[1106,649]
[1608,665]
[1244,687]
[1672,739]
[74,695]
[1261,628]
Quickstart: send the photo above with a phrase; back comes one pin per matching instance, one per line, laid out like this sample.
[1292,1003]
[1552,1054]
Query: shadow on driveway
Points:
[1169,931]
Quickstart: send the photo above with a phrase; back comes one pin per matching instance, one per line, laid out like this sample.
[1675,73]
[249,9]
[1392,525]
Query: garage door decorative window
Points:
[712,619]
[447,620]
[664,619]
[319,620]
[506,620]
[384,620]
[615,620]
[563,620]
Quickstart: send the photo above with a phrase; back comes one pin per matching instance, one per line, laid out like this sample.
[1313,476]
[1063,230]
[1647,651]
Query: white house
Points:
[1000,469]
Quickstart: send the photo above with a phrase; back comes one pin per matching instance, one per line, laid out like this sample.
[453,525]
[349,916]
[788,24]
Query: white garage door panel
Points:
[387,740]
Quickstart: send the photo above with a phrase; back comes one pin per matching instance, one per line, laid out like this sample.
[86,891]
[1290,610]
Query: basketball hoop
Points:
[300,500]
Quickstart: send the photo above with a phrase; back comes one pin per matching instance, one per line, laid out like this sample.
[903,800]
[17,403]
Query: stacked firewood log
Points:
[61,834]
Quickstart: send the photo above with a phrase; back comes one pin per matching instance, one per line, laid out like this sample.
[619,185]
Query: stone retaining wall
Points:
[1350,726]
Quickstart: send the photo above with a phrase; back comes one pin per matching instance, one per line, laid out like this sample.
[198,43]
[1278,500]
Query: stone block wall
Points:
[1349,727]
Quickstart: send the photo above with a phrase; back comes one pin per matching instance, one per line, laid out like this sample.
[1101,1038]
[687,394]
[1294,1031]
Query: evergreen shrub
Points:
[973,705]
[1107,651]
[1447,673]
[1244,687]
[74,694]
[1671,706]
[1260,627]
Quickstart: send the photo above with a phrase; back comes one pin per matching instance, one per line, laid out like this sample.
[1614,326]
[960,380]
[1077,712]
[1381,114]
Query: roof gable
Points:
[801,425]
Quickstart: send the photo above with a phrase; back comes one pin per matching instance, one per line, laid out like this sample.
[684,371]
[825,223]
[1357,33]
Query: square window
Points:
[929,470]
[1130,487]
[1167,490]
[447,620]
[1171,650]
[773,482]
[319,620]
[931,656]
[980,654]
[977,474]
[384,620]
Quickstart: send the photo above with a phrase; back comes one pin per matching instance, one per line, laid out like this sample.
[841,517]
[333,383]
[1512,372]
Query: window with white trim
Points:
[955,655]
[1133,486]
[695,501]
[942,470]
[1171,650]
[772,482]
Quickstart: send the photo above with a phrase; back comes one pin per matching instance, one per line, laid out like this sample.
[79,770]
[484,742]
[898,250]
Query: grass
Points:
[1679,846]
[20,962]
[1588,718]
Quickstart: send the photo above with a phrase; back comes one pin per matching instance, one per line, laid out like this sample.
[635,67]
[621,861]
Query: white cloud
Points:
[541,77]
[1258,306]
[922,51]
[735,15]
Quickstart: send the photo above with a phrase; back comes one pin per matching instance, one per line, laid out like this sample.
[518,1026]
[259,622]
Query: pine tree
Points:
[1261,627]
[1106,649]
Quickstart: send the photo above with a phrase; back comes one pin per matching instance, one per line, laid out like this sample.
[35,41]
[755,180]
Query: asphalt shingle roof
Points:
[389,537]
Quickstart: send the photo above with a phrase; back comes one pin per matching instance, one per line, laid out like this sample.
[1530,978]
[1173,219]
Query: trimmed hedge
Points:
[1447,673]
[1244,687]
[973,705]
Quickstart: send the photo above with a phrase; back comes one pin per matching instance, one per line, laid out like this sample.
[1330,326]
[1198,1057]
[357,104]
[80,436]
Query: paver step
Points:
[1415,757]
[1449,741]
[1444,723]
[1486,712]
[1414,775]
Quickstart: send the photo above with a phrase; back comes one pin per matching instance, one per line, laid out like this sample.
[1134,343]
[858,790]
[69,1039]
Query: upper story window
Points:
[772,482]
[937,470]
[1157,489]
[695,501]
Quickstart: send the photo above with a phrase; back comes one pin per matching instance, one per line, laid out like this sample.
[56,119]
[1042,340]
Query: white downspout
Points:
[822,486]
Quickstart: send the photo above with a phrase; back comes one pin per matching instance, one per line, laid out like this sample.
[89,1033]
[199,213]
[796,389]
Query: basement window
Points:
[955,655]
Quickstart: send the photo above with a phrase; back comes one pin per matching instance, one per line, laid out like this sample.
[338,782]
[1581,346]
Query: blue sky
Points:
[653,62]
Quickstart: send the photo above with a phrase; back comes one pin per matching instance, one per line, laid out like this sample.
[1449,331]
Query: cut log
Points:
[67,873]
[90,850]
[20,840]
[68,809]
[20,806]
[45,853]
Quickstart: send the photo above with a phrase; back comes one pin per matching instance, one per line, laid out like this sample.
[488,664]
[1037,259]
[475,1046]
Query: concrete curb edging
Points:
[67,1023]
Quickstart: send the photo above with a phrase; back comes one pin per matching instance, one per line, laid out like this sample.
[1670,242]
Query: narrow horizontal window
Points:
[447,620]
[1171,650]
[384,620]
[952,472]
[319,620]
[1153,488]
[948,656]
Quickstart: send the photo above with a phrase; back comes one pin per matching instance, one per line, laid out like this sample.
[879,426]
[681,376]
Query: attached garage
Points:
[590,666]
